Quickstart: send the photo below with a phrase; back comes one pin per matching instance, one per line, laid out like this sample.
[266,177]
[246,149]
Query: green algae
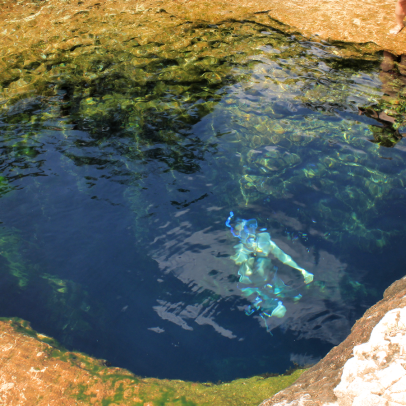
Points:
[24,327]
[5,187]
[64,302]
[250,391]
[154,92]
[10,250]
[81,396]
[244,392]
[132,390]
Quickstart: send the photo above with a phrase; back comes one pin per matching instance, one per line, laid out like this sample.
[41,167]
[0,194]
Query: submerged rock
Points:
[367,368]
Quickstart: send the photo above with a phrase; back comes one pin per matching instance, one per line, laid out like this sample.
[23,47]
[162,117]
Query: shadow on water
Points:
[121,165]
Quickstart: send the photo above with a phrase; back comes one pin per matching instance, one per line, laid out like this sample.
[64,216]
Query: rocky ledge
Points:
[36,370]
[25,23]
[367,369]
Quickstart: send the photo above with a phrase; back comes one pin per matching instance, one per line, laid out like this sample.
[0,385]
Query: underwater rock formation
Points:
[257,279]
[126,84]
[368,368]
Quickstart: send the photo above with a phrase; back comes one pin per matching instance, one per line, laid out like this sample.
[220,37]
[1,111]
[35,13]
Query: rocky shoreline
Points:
[34,369]
[25,23]
[367,368]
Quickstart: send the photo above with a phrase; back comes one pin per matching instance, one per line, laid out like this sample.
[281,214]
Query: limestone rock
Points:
[367,369]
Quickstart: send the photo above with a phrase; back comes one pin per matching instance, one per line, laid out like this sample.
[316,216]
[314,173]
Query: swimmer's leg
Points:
[262,270]
[281,290]
[246,271]
[272,307]
[277,310]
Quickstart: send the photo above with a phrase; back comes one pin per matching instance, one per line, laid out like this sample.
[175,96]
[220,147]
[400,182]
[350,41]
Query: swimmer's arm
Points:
[287,260]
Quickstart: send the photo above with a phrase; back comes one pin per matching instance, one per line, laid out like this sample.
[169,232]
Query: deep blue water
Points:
[113,236]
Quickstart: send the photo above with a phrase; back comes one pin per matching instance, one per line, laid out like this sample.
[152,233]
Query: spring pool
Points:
[121,169]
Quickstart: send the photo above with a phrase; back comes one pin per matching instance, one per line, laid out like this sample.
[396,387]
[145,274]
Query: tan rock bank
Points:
[25,23]
[34,371]
[367,369]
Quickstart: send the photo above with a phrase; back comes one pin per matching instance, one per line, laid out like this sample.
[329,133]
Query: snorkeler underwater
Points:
[258,279]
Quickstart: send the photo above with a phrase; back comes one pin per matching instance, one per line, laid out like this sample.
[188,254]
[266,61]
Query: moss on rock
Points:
[70,376]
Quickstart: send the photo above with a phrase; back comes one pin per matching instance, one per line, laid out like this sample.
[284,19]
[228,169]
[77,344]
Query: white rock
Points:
[399,386]
[362,351]
[402,319]
[399,397]
[360,386]
[381,357]
[387,323]
[354,368]
[400,340]
[6,386]
[344,400]
[369,379]
[369,400]
[390,375]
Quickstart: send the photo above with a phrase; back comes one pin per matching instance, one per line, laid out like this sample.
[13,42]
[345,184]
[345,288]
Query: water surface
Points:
[118,174]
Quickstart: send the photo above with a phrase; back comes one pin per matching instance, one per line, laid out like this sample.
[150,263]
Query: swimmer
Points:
[255,270]
[259,245]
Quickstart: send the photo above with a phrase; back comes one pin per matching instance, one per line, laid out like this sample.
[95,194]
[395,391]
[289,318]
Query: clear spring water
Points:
[119,173]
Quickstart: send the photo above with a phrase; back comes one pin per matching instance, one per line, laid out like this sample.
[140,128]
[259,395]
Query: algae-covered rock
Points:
[48,373]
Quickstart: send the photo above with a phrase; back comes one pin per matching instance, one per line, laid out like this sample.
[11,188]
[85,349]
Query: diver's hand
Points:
[308,277]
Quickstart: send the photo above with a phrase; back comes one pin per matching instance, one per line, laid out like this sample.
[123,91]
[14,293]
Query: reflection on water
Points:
[121,164]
